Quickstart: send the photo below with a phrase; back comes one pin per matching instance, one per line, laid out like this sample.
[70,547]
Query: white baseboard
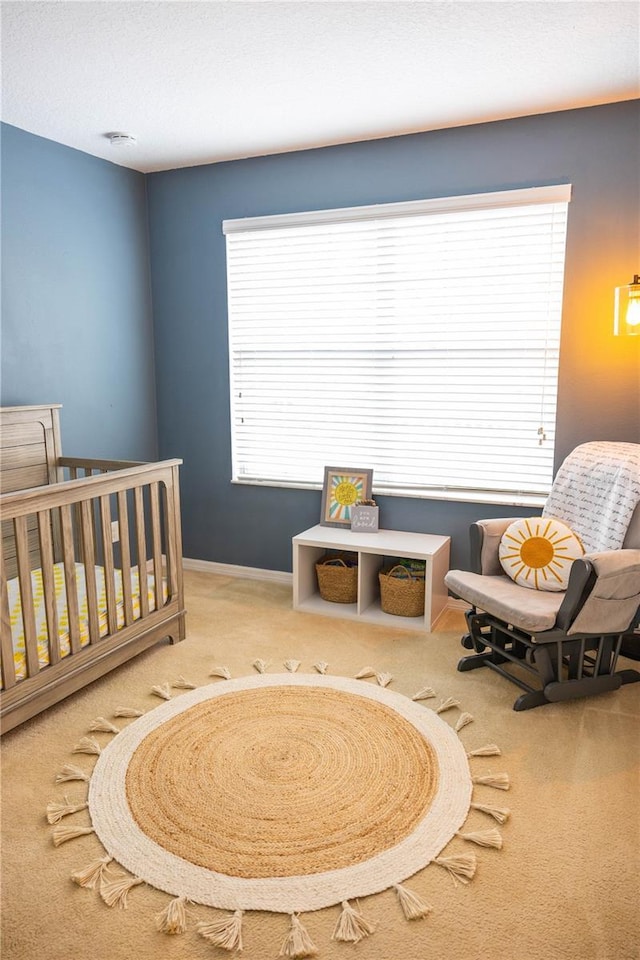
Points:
[236,570]
[275,576]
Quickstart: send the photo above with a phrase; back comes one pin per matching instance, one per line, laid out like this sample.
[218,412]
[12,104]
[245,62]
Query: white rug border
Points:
[132,849]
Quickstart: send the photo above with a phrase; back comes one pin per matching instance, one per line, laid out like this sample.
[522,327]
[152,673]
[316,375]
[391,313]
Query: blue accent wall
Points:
[595,149]
[77,322]
[77,327]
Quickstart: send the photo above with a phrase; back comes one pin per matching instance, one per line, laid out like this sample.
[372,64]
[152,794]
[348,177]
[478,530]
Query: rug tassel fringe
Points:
[127,712]
[87,745]
[499,814]
[62,834]
[351,926]
[91,875]
[116,892]
[102,725]
[413,907]
[182,684]
[461,868]
[173,919]
[484,838]
[425,694]
[297,943]
[447,705]
[365,673]
[219,671]
[321,666]
[225,933]
[56,811]
[384,679]
[162,690]
[500,781]
[292,665]
[69,772]
[489,750]
[463,720]
[261,665]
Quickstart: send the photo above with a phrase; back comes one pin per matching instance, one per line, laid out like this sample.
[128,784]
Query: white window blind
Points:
[419,339]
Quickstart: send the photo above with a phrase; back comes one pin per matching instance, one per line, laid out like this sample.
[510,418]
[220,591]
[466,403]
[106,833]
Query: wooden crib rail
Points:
[21,502]
[126,520]
[90,467]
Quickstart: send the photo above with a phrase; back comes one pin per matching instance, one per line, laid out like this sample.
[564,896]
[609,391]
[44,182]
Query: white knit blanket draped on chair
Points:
[595,492]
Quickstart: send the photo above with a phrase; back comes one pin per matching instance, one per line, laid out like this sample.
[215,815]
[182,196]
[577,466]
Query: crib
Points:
[91,563]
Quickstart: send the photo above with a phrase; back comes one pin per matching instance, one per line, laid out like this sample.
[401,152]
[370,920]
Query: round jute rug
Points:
[281,792]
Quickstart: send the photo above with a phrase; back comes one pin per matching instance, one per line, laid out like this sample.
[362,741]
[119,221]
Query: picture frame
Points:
[343,486]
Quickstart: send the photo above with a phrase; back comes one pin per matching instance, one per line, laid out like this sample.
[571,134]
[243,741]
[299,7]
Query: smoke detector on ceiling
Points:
[121,139]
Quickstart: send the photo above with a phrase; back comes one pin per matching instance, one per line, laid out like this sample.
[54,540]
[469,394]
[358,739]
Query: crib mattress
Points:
[15,610]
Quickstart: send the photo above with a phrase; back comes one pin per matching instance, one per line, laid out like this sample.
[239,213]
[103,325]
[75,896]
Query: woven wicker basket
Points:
[337,581]
[401,593]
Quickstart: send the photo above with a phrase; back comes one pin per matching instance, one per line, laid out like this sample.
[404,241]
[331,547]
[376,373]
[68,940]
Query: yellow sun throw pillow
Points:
[538,553]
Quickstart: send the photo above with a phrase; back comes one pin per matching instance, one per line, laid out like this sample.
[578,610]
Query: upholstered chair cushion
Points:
[532,610]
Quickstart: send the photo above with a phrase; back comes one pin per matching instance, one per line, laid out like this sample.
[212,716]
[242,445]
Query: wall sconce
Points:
[627,309]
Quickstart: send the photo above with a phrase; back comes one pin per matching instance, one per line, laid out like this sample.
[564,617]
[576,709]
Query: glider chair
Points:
[553,597]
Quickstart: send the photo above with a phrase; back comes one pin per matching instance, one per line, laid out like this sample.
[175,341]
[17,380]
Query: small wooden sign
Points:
[364,519]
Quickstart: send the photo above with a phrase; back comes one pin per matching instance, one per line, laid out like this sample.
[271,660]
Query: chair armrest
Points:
[603,594]
[485,536]
[582,577]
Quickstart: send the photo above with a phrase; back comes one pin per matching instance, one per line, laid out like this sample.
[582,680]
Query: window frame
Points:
[549,194]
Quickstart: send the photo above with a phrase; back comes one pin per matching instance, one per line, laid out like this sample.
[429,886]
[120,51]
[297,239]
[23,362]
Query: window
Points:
[419,339]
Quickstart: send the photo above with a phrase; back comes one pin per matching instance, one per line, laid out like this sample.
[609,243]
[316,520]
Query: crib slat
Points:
[89,559]
[141,547]
[156,539]
[107,547]
[174,533]
[26,595]
[125,555]
[48,583]
[68,556]
[170,548]
[7,665]
[77,526]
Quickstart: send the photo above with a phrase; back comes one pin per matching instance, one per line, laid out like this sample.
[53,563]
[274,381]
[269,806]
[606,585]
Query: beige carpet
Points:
[565,884]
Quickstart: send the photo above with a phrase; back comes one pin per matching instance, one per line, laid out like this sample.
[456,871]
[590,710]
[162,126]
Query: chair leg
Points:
[482,637]
[556,692]
[631,645]
[546,661]
[629,676]
[478,660]
[527,701]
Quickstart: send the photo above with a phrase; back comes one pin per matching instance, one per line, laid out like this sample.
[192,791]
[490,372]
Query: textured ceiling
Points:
[198,82]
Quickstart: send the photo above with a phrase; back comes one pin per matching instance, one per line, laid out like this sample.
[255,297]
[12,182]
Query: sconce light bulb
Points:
[627,309]
[633,313]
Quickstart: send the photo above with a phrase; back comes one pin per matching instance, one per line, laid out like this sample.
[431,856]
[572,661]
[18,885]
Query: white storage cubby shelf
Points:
[373,549]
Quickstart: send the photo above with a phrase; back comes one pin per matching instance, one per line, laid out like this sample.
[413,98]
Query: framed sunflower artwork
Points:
[343,487]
